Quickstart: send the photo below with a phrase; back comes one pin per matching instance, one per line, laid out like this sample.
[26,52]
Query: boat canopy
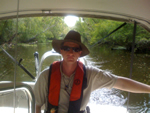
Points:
[119,10]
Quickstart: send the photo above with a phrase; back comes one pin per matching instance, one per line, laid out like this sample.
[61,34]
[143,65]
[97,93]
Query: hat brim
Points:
[57,45]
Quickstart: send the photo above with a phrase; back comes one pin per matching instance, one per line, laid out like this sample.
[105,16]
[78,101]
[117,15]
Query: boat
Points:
[129,11]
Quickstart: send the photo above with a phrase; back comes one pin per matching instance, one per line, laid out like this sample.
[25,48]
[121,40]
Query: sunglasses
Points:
[67,48]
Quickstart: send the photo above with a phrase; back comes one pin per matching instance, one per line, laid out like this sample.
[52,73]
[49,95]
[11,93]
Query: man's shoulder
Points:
[45,70]
[92,68]
[44,73]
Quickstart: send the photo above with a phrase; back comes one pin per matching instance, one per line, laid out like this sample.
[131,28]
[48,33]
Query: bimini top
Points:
[120,10]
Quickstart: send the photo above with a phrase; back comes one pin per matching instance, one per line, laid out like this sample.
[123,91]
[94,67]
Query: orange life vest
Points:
[54,85]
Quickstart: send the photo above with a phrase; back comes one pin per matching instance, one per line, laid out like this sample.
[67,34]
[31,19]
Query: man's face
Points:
[69,55]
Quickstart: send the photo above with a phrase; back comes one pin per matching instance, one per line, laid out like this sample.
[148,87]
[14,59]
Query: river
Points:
[113,61]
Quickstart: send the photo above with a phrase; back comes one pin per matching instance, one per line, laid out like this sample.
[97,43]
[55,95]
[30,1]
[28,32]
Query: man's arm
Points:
[129,85]
[37,109]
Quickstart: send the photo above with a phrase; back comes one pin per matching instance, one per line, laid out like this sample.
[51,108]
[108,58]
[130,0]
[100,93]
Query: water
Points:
[118,63]
[114,61]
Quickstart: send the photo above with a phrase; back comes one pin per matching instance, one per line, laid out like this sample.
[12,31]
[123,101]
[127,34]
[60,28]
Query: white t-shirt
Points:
[96,79]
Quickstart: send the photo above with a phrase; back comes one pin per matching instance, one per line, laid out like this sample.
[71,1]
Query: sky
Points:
[71,20]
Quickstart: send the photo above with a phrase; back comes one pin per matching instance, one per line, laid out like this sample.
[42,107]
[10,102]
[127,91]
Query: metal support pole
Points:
[132,58]
[110,34]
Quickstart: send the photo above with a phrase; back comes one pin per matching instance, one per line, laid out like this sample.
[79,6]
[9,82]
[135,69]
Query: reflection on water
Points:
[107,101]
[11,110]
[96,108]
[105,96]
[114,61]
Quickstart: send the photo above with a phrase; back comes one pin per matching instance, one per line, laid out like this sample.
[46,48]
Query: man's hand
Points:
[37,109]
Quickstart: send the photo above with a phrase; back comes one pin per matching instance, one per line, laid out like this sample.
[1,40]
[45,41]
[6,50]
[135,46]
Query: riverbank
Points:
[141,47]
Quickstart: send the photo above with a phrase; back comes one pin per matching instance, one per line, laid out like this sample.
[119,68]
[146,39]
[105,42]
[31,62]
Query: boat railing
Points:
[6,87]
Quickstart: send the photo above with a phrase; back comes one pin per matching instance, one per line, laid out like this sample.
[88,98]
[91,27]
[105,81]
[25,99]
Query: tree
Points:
[7,31]
[94,30]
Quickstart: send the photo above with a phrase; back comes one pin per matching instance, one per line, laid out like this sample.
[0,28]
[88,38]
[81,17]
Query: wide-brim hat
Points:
[72,36]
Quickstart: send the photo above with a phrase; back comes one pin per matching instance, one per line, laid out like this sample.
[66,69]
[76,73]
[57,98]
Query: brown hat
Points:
[72,36]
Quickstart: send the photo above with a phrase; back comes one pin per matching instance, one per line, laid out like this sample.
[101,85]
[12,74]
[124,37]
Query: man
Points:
[67,85]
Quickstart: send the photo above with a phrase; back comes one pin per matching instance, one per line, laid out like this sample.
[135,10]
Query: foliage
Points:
[92,30]
[30,29]
[7,30]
